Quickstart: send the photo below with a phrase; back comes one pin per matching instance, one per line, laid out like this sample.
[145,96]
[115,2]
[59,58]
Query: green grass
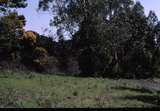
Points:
[31,90]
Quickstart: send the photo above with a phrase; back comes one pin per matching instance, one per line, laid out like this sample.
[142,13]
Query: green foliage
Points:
[6,5]
[10,32]
[11,27]
[117,31]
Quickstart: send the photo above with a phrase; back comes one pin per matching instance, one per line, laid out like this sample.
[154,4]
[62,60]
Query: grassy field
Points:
[33,90]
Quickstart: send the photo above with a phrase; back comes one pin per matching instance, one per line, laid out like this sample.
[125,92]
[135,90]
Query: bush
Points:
[40,55]
[29,35]
[40,58]
[28,40]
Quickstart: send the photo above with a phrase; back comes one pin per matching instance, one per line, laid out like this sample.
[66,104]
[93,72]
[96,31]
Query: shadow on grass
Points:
[154,100]
[140,90]
[150,99]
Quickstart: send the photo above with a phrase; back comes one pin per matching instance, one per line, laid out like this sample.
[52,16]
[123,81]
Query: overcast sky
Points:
[39,21]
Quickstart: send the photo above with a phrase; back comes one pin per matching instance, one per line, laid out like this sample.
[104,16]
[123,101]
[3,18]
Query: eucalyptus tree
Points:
[114,31]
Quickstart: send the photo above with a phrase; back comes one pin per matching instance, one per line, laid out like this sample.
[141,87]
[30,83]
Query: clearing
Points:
[32,90]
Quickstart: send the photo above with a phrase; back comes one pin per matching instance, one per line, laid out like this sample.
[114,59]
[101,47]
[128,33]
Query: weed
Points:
[75,93]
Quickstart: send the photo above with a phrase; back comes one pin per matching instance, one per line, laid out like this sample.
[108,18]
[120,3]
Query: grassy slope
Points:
[33,90]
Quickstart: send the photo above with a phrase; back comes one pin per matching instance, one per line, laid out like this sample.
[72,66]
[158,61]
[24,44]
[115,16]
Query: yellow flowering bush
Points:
[29,35]
[29,39]
[40,55]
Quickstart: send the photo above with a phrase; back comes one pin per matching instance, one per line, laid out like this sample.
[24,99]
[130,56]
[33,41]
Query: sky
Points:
[38,21]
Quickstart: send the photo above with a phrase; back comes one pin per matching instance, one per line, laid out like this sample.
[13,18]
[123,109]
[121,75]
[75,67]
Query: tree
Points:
[140,45]
[78,13]
[156,51]
[6,5]
[10,32]
[117,32]
[91,19]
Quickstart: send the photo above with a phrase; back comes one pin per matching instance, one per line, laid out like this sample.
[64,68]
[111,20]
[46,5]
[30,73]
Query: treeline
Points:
[109,38]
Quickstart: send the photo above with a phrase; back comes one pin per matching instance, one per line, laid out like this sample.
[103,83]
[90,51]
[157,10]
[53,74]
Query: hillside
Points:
[32,90]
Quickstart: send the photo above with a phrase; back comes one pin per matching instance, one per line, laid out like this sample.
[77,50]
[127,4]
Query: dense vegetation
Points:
[108,38]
